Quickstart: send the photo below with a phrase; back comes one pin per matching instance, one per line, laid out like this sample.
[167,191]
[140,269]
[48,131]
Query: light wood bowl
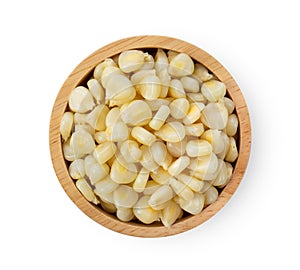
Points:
[84,71]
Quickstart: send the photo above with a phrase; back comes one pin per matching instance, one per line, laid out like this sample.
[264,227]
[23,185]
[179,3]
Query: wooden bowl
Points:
[84,70]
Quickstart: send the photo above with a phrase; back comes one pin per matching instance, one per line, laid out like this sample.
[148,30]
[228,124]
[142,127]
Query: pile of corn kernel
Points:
[149,138]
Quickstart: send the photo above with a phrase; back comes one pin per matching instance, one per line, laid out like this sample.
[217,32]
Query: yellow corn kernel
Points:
[198,148]
[125,196]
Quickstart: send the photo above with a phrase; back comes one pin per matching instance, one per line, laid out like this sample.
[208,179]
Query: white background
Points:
[41,43]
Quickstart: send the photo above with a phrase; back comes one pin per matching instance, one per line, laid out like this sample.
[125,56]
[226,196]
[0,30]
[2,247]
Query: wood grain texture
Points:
[83,70]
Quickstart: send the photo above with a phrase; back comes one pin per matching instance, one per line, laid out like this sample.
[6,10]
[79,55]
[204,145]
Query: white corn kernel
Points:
[150,87]
[79,118]
[192,115]
[166,163]
[81,100]
[178,165]
[82,143]
[76,169]
[157,103]
[85,127]
[222,175]
[100,137]
[194,130]
[125,214]
[165,80]
[66,125]
[96,118]
[68,151]
[215,138]
[161,60]
[105,185]
[158,151]
[181,189]
[151,187]
[130,151]
[198,148]
[160,117]
[141,180]
[94,170]
[147,159]
[100,67]
[148,62]
[201,73]
[177,149]
[190,84]
[106,197]
[105,151]
[96,90]
[138,76]
[179,108]
[171,55]
[193,206]
[113,116]
[232,125]
[232,153]
[192,182]
[160,176]
[213,90]
[123,173]
[108,207]
[131,60]
[143,135]
[136,113]
[125,196]
[144,212]
[181,65]
[119,90]
[176,89]
[108,73]
[215,115]
[211,195]
[170,213]
[86,190]
[160,197]
[226,145]
[229,105]
[171,132]
[118,132]
[204,166]
[196,97]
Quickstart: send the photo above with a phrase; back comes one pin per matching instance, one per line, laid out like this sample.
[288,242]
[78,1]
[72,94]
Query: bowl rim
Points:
[84,69]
